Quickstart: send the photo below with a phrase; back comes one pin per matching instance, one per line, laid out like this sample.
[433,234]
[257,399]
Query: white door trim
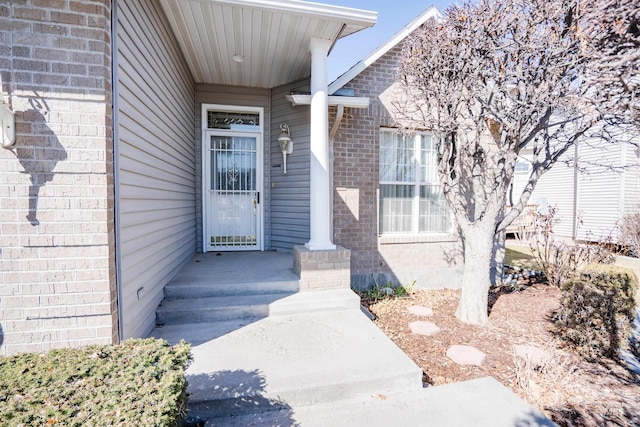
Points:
[206,133]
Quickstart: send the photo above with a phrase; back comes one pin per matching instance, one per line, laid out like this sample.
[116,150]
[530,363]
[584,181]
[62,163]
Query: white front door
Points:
[233,182]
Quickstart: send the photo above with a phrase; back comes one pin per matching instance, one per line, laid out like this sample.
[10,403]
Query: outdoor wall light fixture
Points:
[286,143]
[7,122]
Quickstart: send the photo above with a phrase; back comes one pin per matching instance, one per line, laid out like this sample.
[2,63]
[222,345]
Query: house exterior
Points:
[147,131]
[592,188]
[125,150]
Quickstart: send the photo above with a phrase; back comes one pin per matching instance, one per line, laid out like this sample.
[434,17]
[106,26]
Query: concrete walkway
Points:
[331,368]
[479,403]
[313,359]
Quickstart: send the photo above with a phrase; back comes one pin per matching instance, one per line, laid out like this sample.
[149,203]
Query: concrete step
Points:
[482,402]
[212,309]
[238,402]
[291,359]
[184,289]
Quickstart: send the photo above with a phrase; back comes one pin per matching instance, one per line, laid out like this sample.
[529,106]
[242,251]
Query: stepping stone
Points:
[420,311]
[533,354]
[466,355]
[424,328]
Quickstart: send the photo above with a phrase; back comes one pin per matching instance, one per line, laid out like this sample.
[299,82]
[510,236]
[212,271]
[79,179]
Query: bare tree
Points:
[610,34]
[491,77]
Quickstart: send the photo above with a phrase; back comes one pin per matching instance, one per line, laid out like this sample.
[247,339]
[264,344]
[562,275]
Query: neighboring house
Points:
[590,195]
[147,131]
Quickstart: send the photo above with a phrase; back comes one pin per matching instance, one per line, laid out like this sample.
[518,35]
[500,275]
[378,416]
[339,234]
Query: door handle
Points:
[256,200]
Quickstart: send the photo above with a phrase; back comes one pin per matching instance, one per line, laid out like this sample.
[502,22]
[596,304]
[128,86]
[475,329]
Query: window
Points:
[231,120]
[522,167]
[411,198]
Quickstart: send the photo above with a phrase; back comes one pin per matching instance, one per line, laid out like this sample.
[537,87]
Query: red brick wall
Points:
[57,261]
[431,261]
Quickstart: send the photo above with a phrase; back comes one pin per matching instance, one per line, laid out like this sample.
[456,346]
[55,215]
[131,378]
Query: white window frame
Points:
[518,169]
[417,183]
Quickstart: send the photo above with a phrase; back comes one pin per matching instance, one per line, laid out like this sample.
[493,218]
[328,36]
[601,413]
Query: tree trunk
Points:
[497,258]
[478,251]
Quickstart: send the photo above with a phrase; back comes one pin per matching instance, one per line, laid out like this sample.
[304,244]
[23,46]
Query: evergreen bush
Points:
[596,310]
[136,383]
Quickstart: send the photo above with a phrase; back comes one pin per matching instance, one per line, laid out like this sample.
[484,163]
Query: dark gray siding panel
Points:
[290,192]
[156,163]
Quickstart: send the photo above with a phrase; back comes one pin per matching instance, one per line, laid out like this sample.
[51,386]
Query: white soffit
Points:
[339,83]
[271,37]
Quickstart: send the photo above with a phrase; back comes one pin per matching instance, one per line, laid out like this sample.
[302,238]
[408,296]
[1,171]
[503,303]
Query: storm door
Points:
[232,182]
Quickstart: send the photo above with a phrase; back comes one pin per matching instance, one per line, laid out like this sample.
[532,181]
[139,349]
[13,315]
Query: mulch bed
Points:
[570,390]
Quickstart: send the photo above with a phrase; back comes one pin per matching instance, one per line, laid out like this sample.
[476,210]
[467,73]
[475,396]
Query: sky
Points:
[393,15]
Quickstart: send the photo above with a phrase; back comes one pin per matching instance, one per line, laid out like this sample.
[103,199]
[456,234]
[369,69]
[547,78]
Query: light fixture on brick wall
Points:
[286,143]
[7,121]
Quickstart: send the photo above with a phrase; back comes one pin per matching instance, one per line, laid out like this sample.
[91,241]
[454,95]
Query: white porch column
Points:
[320,179]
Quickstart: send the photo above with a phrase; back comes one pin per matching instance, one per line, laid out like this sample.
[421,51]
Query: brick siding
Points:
[433,261]
[57,260]
[323,269]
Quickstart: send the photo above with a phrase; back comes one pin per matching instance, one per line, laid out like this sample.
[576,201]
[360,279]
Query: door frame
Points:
[206,133]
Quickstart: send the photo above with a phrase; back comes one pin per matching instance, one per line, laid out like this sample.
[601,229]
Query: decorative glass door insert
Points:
[233,192]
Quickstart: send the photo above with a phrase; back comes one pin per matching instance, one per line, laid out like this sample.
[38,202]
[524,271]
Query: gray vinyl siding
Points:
[557,188]
[600,190]
[592,198]
[632,178]
[156,161]
[235,96]
[290,192]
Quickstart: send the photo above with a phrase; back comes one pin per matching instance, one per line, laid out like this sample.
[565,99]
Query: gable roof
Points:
[431,12]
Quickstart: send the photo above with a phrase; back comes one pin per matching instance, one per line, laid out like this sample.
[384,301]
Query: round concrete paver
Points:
[424,328]
[466,355]
[420,311]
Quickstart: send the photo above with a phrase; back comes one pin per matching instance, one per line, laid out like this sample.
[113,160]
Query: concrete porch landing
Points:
[232,273]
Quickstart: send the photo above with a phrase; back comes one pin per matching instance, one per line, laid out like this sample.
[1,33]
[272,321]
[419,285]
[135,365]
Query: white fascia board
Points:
[358,17]
[339,83]
[347,101]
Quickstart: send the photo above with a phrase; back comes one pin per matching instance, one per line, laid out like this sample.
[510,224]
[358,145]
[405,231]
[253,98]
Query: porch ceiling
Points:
[272,36]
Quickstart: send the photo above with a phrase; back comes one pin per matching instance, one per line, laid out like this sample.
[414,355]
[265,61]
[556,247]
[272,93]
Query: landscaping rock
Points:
[534,354]
[423,328]
[466,355]
[420,311]
[515,276]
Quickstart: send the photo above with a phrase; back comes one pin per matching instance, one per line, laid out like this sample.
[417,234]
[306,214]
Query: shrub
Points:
[378,292]
[596,310]
[136,383]
[559,259]
[630,233]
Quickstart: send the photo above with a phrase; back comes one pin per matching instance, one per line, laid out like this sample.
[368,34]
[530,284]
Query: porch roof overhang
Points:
[334,100]
[270,37]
